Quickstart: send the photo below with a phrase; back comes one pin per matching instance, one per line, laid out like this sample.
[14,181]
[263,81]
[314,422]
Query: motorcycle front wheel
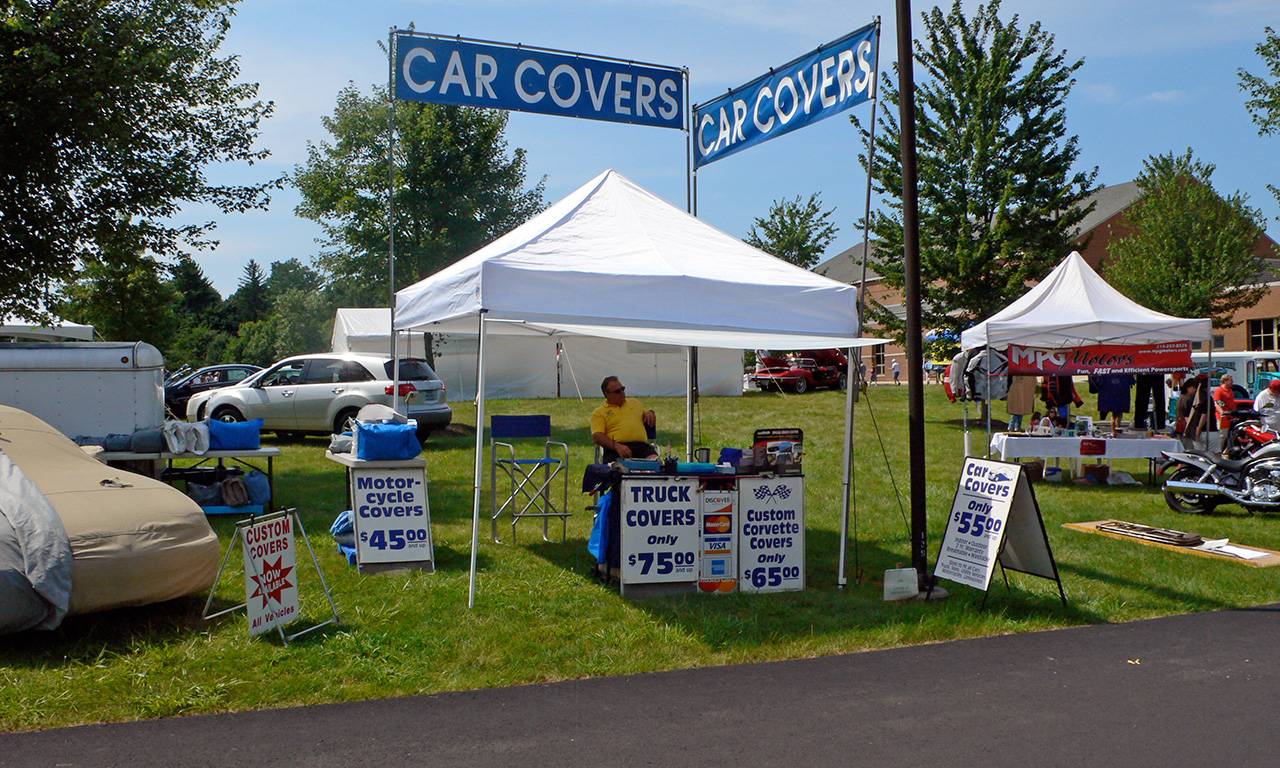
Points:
[1187,503]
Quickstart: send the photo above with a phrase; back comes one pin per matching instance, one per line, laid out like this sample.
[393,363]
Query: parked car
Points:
[178,391]
[319,393]
[801,371]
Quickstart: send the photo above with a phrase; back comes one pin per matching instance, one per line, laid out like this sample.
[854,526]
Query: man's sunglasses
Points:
[617,391]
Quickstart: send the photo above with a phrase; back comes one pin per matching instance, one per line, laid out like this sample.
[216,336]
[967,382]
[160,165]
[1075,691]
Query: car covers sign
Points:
[501,76]
[816,86]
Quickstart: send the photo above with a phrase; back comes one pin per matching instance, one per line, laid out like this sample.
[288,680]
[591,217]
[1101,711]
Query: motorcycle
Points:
[1198,481]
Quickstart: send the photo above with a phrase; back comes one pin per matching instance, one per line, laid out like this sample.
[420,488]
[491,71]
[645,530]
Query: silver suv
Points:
[318,393]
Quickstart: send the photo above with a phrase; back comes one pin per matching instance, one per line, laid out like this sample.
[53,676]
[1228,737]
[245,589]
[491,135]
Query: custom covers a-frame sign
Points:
[995,518]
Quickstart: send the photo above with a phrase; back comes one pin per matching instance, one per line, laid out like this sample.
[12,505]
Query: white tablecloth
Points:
[1014,446]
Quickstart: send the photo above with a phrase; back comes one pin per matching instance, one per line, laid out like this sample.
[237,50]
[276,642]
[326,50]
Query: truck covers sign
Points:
[1169,357]
[994,519]
[660,531]
[833,78]
[501,76]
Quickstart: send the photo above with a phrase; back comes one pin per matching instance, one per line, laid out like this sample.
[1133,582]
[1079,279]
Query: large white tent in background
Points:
[1074,306]
[524,366]
[613,260]
[58,330]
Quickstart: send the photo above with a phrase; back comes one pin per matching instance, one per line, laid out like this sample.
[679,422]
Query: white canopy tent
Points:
[613,260]
[546,366]
[1073,306]
[59,330]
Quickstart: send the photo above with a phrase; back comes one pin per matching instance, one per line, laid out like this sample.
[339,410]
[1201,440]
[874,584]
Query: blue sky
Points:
[1158,76]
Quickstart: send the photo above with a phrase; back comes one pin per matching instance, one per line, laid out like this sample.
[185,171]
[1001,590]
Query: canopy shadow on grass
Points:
[740,620]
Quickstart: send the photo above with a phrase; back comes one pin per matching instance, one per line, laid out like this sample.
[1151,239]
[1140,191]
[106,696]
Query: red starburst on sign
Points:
[273,581]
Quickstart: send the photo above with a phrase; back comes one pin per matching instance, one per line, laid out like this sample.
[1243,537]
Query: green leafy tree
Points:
[797,230]
[1191,253]
[291,275]
[109,112]
[249,302]
[998,199]
[456,188]
[254,343]
[124,296]
[196,344]
[304,322]
[1264,94]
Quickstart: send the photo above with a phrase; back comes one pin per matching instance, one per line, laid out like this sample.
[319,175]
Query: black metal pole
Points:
[911,267]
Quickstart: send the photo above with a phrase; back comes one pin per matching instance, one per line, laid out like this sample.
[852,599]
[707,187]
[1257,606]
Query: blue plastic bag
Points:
[235,435]
[259,487]
[378,441]
[600,530]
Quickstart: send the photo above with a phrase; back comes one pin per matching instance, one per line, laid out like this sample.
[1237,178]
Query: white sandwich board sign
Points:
[994,519]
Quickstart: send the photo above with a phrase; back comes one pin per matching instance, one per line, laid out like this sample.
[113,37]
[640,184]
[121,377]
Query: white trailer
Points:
[86,388]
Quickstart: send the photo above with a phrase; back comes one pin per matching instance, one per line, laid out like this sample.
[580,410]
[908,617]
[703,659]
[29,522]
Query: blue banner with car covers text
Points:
[816,86]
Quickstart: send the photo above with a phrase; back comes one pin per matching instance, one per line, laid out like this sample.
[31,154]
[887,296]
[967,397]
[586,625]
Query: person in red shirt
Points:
[1225,400]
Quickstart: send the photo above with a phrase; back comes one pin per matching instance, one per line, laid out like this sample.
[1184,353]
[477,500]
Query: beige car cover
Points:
[134,540]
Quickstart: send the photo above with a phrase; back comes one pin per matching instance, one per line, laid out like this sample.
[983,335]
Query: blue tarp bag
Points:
[378,441]
[600,531]
[235,435]
[344,535]
[258,486]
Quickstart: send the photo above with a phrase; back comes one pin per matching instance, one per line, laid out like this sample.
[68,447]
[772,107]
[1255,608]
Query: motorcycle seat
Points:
[1231,465]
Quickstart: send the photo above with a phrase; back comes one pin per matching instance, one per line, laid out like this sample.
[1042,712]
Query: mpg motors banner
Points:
[1168,357]
[833,78]
[501,76]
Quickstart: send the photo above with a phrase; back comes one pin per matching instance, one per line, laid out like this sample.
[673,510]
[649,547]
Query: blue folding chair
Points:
[530,479]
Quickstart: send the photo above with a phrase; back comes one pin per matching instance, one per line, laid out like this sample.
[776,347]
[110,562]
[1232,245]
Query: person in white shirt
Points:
[1267,403]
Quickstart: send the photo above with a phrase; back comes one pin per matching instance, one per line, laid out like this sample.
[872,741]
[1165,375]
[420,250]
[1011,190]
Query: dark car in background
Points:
[178,390]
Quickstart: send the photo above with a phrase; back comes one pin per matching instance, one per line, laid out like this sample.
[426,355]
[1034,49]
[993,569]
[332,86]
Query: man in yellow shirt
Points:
[619,426]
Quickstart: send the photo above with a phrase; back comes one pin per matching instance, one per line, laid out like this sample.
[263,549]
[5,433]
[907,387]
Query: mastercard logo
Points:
[717,524]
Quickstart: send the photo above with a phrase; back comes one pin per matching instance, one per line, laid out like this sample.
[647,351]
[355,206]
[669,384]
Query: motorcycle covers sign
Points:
[994,519]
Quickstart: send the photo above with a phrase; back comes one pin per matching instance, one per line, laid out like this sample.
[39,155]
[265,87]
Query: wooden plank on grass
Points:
[1271,560]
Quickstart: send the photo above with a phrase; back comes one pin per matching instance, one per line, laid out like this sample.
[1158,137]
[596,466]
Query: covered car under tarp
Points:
[133,540]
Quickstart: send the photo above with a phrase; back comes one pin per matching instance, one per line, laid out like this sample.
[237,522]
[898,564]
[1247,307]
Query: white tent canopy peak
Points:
[1074,306]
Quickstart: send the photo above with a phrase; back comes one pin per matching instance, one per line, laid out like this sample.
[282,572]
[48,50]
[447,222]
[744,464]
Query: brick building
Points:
[1255,328]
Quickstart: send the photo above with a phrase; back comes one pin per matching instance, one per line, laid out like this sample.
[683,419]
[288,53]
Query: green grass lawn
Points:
[540,617]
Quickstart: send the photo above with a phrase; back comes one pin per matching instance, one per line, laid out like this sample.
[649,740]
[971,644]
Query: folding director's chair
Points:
[530,478]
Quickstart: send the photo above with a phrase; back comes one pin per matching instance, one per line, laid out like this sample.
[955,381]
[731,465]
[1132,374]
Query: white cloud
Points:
[1171,96]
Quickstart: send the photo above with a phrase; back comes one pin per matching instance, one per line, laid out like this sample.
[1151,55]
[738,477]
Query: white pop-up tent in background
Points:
[615,261]
[529,367]
[1073,306]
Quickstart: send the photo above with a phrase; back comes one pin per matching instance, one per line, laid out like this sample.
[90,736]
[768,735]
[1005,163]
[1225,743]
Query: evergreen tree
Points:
[249,302]
[797,231]
[998,199]
[1264,94]
[1191,252]
[456,188]
[196,295]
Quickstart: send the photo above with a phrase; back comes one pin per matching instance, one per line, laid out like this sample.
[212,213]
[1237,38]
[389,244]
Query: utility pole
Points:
[911,267]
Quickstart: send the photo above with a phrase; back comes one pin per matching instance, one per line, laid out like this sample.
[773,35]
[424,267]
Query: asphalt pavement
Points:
[1195,690]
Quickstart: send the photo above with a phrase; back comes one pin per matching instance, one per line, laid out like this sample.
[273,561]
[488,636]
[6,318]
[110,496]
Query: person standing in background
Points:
[1058,394]
[897,372]
[1148,405]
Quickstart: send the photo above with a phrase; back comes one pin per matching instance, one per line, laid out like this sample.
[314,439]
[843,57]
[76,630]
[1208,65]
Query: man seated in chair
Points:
[620,425]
